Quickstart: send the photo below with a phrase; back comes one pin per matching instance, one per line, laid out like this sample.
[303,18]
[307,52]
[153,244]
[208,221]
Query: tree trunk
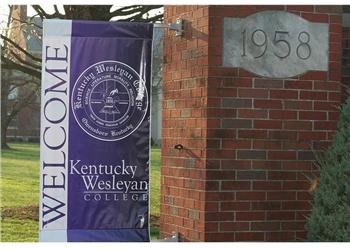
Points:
[4,119]
[4,125]
[4,144]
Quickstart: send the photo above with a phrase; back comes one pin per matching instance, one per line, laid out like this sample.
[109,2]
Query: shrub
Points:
[330,216]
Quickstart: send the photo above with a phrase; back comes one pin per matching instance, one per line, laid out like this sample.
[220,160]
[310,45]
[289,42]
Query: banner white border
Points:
[56,35]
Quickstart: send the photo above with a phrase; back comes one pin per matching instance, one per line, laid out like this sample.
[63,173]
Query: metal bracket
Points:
[178,26]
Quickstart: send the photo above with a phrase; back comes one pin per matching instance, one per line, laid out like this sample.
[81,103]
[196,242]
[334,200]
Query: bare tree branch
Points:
[21,103]
[20,49]
[43,14]
[57,12]
[39,10]
[9,17]
[23,61]
[139,12]
[156,18]
[129,10]
[125,11]
[28,23]
[8,64]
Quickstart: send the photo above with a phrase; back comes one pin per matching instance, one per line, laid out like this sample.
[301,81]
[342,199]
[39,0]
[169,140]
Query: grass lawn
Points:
[20,192]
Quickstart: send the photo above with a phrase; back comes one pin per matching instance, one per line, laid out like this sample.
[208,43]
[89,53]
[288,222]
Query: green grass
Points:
[20,192]
[20,175]
[155,181]
[19,230]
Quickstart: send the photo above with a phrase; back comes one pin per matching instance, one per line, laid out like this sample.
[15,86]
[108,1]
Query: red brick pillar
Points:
[185,83]
[346,61]
[247,139]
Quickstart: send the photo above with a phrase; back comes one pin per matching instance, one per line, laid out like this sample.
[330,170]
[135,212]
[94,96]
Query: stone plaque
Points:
[275,44]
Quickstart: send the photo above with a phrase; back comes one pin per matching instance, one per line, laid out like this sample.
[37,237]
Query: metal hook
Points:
[179,146]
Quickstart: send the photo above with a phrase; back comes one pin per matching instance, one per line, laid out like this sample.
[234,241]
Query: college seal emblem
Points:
[109,100]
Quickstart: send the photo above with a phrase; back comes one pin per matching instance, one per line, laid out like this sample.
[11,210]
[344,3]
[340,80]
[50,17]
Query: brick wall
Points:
[346,62]
[248,140]
[185,78]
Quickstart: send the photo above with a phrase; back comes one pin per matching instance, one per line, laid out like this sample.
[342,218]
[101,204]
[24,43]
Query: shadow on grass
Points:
[22,151]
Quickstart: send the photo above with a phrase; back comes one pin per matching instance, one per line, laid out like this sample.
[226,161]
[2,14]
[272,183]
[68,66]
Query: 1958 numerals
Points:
[281,41]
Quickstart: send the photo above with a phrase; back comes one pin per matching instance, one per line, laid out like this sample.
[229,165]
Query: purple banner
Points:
[95,131]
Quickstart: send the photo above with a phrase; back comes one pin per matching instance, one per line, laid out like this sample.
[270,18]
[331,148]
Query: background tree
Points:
[15,57]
